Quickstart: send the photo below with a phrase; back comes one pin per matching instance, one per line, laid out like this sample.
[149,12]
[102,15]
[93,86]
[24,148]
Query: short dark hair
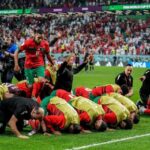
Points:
[128,124]
[45,90]
[21,93]
[39,31]
[136,119]
[103,127]
[129,65]
[76,129]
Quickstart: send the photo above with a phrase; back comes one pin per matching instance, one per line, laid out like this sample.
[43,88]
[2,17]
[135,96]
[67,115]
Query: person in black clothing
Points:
[65,73]
[84,59]
[91,62]
[16,109]
[125,78]
[77,59]
[145,88]
[8,50]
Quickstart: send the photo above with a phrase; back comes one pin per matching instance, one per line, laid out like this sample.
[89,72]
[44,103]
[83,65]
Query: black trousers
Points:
[2,122]
[8,73]
[144,97]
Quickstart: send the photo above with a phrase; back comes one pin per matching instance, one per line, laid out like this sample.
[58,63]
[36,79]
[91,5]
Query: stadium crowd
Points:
[102,33]
[16,4]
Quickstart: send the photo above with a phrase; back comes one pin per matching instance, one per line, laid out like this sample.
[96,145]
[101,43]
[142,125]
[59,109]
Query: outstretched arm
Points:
[130,93]
[16,67]
[80,67]
[12,123]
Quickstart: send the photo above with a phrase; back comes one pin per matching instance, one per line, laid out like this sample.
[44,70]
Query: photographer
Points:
[8,49]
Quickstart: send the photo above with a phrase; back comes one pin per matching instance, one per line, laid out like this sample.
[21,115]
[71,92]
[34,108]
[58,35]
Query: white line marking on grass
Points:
[109,142]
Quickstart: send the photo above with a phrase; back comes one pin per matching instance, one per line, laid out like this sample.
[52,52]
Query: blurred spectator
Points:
[102,33]
[16,4]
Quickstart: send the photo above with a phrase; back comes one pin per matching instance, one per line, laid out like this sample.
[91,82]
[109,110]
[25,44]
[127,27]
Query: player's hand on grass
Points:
[86,131]
[23,136]
[46,134]
[57,133]
[110,129]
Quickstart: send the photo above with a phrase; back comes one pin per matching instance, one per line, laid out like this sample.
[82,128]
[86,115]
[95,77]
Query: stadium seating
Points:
[15,4]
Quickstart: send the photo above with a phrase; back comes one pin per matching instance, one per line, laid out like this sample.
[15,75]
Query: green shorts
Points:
[34,73]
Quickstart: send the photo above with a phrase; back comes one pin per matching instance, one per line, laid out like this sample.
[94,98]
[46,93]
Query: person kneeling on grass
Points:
[109,91]
[116,115]
[99,90]
[60,116]
[13,112]
[129,104]
[91,114]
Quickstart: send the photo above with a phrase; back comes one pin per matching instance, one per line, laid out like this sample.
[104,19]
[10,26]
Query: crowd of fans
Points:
[15,4]
[101,33]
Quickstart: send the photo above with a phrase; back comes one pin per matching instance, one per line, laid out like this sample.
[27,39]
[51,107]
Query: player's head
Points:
[16,91]
[128,69]
[100,125]
[70,60]
[46,90]
[126,124]
[136,118]
[53,58]
[74,128]
[37,113]
[38,36]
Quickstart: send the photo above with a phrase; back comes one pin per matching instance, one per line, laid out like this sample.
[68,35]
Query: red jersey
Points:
[63,94]
[84,116]
[36,88]
[24,87]
[55,119]
[93,93]
[82,91]
[109,116]
[34,53]
[100,90]
[52,121]
[47,74]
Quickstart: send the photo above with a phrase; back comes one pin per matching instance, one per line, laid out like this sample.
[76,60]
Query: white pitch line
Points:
[109,142]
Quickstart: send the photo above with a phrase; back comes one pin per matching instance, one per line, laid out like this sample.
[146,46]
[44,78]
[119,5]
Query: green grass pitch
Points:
[100,76]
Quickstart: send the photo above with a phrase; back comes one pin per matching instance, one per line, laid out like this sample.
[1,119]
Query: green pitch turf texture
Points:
[100,76]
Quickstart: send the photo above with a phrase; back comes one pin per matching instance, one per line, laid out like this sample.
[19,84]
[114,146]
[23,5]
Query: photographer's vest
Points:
[93,110]
[125,101]
[120,111]
[69,112]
